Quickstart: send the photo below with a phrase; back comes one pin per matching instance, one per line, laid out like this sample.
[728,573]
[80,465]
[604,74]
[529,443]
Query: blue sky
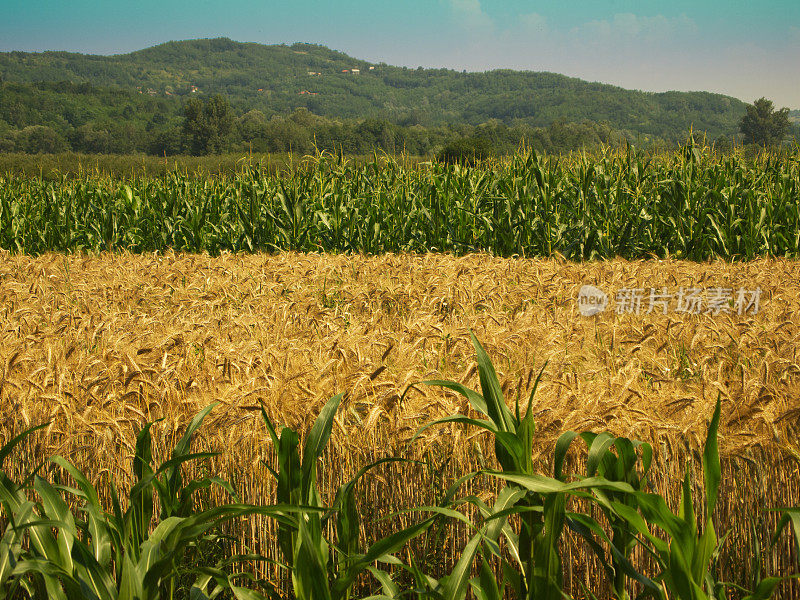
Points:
[745,49]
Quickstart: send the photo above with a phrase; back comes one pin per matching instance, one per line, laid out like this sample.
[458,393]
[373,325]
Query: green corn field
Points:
[690,204]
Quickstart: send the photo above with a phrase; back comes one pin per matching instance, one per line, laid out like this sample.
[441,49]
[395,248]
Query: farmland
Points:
[278,291]
[98,346]
[690,204]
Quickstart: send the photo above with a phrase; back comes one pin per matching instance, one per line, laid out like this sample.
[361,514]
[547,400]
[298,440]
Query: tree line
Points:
[58,118]
[212,125]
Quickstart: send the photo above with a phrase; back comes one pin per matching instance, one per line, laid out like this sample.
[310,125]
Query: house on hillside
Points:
[355,71]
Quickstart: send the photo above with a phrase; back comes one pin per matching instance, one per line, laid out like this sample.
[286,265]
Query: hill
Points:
[145,91]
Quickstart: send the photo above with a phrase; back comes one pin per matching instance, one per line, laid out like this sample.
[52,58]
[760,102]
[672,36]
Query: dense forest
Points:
[280,98]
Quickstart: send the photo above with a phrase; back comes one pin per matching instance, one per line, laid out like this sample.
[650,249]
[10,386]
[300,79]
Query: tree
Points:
[207,125]
[164,142]
[466,151]
[92,139]
[762,125]
[40,139]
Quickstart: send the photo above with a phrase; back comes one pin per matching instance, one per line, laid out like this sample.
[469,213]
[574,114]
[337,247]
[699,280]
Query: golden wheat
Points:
[99,345]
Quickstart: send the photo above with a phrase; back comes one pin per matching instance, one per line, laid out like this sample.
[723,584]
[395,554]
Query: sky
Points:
[741,48]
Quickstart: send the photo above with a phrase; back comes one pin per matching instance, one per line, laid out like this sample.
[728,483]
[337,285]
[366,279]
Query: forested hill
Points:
[279,79]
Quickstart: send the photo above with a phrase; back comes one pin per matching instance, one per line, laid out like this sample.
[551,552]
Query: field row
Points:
[690,205]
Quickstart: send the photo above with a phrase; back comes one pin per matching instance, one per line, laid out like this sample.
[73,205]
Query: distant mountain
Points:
[279,79]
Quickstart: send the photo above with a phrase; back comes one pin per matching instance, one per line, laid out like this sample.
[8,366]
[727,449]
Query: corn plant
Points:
[686,557]
[791,516]
[531,564]
[321,569]
[484,544]
[540,501]
[110,555]
[789,519]
[16,509]
[616,459]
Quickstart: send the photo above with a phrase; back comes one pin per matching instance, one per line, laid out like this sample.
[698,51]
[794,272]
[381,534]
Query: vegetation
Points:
[655,457]
[41,119]
[98,346]
[55,167]
[281,97]
[467,151]
[119,555]
[115,553]
[763,125]
[689,204]
[207,125]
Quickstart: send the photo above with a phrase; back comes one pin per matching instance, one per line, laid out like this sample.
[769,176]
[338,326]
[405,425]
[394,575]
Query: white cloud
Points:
[533,22]
[471,15]
[655,53]
[627,26]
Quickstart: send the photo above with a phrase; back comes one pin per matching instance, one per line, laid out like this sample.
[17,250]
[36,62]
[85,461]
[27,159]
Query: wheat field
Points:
[98,345]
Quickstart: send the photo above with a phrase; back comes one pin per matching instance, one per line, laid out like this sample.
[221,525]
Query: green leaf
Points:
[711,464]
[765,589]
[9,446]
[483,424]
[389,587]
[96,521]
[791,516]
[347,516]
[378,551]
[55,509]
[492,393]
[92,576]
[457,581]
[486,586]
[309,575]
[598,451]
[542,484]
[562,447]
[315,444]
